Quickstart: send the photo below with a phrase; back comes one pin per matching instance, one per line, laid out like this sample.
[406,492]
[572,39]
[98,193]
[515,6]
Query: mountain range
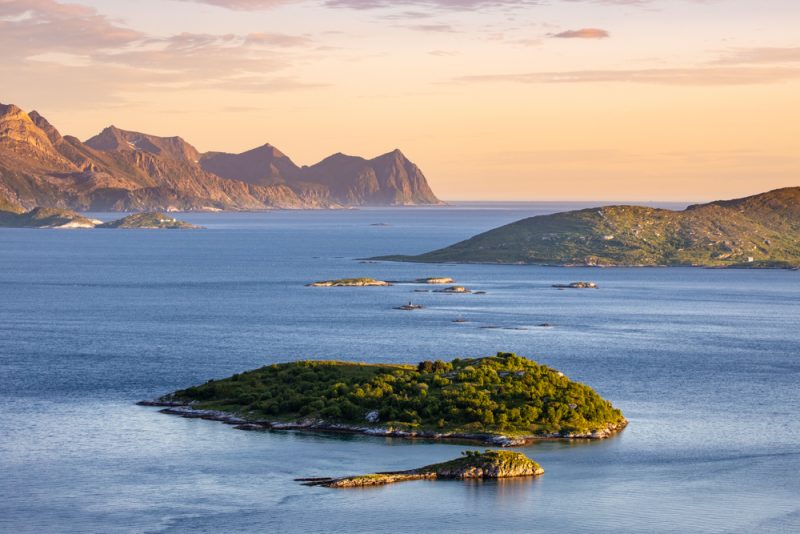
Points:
[758,231]
[120,170]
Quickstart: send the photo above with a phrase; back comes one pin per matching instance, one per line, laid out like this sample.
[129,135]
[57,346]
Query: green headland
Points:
[758,231]
[45,218]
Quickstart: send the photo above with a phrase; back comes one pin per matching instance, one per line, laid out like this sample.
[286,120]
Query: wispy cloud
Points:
[445,4]
[29,27]
[764,55]
[252,5]
[583,33]
[668,76]
[244,5]
[44,39]
[434,28]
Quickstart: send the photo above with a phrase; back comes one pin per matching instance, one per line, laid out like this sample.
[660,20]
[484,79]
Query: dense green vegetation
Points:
[758,231]
[505,394]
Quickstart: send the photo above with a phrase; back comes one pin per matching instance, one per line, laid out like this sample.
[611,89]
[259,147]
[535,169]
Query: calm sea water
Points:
[704,363]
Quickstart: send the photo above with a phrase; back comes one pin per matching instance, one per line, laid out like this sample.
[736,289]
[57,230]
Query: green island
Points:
[760,231]
[61,218]
[149,220]
[472,465]
[349,282]
[502,400]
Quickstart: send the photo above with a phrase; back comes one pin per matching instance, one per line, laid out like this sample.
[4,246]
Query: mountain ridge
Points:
[123,170]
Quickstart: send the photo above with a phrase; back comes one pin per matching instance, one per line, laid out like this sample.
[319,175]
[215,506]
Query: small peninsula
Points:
[471,465]
[61,218]
[760,231]
[45,218]
[350,282]
[503,400]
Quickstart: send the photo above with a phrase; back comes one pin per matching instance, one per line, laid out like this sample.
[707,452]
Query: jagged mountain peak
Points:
[263,165]
[17,127]
[9,109]
[11,114]
[113,138]
[396,156]
[43,124]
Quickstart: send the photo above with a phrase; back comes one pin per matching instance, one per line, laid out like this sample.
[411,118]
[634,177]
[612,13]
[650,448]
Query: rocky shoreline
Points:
[312,425]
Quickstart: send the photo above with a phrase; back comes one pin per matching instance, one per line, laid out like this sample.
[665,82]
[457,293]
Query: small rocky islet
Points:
[453,289]
[442,280]
[576,285]
[409,307]
[367,282]
[489,464]
[350,282]
[149,220]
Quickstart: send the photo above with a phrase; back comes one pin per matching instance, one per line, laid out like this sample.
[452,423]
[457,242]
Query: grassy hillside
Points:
[504,394]
[759,231]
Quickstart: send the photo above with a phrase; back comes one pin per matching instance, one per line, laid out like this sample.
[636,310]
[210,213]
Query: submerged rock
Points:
[441,280]
[454,289]
[409,307]
[576,285]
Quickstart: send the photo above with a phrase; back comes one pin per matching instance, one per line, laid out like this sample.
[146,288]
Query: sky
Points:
[652,100]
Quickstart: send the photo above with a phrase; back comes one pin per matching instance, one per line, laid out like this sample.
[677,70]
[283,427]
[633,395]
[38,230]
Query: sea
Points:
[704,363]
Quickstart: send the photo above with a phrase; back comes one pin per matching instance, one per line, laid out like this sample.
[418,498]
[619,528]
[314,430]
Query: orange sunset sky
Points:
[515,100]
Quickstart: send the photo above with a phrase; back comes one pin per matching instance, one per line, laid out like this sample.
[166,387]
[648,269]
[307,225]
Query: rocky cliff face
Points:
[265,165]
[125,170]
[390,179]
